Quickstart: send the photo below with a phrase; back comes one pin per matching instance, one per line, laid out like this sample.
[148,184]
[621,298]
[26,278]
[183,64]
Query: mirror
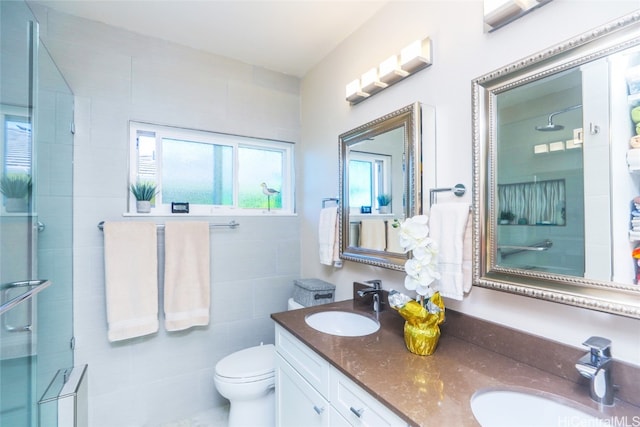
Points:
[555,137]
[379,183]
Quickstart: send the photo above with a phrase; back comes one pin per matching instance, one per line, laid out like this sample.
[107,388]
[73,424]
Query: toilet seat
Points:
[248,365]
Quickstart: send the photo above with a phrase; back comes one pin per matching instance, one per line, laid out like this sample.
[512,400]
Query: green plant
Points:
[384,199]
[507,216]
[15,186]
[144,191]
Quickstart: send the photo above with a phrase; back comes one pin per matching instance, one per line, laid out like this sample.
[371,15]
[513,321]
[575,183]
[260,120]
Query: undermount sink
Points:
[342,323]
[493,408]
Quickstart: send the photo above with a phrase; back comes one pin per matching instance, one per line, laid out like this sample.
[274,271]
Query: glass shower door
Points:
[36,150]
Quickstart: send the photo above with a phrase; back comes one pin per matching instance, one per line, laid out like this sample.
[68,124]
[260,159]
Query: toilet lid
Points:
[248,363]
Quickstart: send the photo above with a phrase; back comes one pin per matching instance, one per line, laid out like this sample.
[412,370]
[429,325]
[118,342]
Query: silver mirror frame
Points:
[602,296]
[411,118]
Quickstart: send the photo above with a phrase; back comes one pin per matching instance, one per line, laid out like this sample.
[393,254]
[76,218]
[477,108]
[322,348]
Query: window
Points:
[215,173]
[369,177]
[16,141]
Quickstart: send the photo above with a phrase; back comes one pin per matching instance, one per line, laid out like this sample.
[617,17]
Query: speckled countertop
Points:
[436,389]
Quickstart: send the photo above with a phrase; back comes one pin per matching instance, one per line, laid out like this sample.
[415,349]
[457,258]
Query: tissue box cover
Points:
[309,292]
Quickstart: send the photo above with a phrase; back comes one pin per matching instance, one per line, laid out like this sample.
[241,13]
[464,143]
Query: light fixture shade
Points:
[503,14]
[354,93]
[416,56]
[370,83]
[390,71]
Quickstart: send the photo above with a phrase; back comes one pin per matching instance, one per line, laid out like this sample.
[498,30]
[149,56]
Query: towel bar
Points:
[458,190]
[512,250]
[231,224]
[328,200]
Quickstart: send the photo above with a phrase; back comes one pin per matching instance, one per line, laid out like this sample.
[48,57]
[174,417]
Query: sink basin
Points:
[493,408]
[342,323]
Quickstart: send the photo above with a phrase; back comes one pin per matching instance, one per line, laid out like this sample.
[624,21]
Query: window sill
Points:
[211,215]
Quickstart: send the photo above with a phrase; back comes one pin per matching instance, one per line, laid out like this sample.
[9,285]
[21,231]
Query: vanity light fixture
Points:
[416,56]
[354,92]
[370,82]
[498,13]
[411,59]
[390,71]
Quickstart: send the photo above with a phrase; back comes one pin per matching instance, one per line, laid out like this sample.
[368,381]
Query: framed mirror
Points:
[556,156]
[380,182]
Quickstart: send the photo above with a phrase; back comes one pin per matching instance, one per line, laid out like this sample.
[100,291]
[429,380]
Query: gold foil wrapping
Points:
[421,330]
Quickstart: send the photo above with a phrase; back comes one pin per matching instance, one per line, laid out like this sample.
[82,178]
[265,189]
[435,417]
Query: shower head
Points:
[550,126]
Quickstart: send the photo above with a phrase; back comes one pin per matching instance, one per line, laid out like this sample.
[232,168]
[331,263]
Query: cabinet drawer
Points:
[312,367]
[357,406]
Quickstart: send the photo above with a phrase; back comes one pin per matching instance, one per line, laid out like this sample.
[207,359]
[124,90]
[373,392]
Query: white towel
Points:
[327,236]
[447,227]
[131,279]
[393,239]
[373,234]
[187,283]
[467,256]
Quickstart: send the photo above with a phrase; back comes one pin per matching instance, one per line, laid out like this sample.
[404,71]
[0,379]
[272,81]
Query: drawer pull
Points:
[319,411]
[358,412]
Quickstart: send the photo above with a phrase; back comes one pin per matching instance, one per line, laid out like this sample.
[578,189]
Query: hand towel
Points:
[447,227]
[131,279]
[372,234]
[187,283]
[393,239]
[327,237]
[467,256]
[337,262]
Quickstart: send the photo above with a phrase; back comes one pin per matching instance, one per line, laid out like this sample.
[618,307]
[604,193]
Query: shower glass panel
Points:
[36,149]
[540,177]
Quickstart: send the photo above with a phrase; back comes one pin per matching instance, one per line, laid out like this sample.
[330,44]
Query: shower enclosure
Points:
[36,153]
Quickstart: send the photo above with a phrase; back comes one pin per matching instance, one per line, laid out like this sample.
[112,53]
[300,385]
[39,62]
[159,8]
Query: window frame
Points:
[211,138]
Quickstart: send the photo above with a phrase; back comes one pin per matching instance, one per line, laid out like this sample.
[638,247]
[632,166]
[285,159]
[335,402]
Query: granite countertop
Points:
[436,389]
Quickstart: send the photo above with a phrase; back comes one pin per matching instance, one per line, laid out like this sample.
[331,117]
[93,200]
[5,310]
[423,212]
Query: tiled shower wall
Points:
[117,76]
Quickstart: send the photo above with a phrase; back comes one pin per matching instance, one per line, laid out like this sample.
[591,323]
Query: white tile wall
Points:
[119,76]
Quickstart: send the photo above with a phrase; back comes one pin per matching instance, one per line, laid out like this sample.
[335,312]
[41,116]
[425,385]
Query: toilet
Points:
[247,379]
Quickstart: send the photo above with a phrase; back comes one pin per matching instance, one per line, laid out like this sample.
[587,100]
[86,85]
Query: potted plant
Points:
[383,202]
[507,217]
[17,189]
[144,192]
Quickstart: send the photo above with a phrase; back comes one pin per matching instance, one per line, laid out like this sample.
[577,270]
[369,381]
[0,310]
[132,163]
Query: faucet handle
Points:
[377,283]
[599,347]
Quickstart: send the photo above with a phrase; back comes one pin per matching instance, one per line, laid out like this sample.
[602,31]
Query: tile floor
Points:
[216,417]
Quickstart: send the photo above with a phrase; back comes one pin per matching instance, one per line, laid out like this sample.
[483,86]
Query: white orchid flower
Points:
[422,268]
[413,232]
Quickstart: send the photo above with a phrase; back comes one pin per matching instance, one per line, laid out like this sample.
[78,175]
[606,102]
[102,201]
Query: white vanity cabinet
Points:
[310,392]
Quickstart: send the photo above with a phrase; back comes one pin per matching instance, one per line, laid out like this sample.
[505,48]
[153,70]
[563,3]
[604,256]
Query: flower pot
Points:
[143,206]
[421,329]
[421,337]
[16,205]
[384,209]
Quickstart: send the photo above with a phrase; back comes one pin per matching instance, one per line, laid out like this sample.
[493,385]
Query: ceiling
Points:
[288,36]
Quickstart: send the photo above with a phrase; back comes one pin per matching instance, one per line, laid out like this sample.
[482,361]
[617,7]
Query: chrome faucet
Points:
[376,290]
[596,366]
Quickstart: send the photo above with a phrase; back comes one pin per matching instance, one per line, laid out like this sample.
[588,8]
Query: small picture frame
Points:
[179,207]
[365,209]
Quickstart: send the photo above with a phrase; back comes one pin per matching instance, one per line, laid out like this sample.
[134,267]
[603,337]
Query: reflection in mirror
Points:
[379,183]
[553,178]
